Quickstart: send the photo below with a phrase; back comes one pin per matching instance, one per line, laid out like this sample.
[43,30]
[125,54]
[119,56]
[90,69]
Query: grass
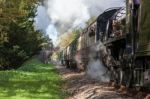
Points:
[34,80]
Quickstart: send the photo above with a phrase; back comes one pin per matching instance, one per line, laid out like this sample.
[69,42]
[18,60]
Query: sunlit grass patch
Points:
[34,80]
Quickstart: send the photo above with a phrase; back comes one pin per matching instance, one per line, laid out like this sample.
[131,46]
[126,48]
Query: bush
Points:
[12,57]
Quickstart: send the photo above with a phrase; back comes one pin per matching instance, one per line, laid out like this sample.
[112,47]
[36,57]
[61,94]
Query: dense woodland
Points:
[19,40]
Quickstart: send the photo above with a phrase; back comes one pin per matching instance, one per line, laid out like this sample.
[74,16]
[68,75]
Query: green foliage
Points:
[33,80]
[18,38]
[76,32]
[12,57]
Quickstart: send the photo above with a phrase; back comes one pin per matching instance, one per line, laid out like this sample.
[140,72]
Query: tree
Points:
[18,38]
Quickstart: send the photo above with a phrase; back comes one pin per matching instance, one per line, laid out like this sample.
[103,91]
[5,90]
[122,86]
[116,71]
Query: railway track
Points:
[80,86]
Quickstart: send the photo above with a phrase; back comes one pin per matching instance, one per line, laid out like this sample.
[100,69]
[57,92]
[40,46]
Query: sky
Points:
[56,17]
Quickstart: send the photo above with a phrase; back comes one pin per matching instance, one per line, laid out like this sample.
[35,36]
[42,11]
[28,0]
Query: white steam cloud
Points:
[64,15]
[95,68]
[67,14]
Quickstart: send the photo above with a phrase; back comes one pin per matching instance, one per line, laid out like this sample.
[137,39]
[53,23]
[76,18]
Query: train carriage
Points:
[72,54]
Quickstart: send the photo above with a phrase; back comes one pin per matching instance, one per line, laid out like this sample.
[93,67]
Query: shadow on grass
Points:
[26,89]
[33,80]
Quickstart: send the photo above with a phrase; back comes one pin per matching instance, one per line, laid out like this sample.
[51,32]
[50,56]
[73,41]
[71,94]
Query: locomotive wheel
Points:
[119,71]
[114,77]
[125,69]
[128,75]
[119,76]
[128,79]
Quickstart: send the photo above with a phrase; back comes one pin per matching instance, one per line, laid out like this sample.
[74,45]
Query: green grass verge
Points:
[34,80]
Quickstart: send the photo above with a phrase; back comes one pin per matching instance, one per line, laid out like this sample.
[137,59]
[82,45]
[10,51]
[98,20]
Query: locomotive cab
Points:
[102,22]
[116,25]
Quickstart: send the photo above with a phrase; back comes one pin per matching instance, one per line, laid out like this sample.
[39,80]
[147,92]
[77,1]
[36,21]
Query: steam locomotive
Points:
[120,38]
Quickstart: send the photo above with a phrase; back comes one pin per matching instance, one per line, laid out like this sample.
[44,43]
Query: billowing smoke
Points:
[95,68]
[61,16]
[97,71]
[67,14]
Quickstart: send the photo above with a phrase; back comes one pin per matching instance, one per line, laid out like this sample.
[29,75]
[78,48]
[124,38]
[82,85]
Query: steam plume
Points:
[67,14]
[95,68]
[61,16]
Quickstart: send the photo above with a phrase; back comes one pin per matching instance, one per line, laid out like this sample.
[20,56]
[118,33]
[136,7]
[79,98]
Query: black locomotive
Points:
[120,38]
